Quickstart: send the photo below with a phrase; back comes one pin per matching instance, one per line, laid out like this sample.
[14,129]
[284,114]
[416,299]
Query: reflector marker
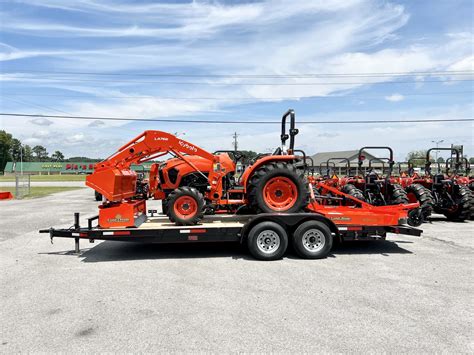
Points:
[187,231]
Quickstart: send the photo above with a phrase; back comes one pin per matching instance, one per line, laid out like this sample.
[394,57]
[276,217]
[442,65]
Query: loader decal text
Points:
[188,146]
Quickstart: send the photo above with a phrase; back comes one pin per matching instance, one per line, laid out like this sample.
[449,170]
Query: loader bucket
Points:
[5,195]
[114,184]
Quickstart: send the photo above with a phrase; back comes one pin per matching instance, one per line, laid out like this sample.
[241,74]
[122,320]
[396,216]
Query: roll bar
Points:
[410,167]
[327,166]
[467,165]
[390,160]
[428,162]
[348,163]
[292,132]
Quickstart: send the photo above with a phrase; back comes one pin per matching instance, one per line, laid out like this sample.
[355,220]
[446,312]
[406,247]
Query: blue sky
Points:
[43,41]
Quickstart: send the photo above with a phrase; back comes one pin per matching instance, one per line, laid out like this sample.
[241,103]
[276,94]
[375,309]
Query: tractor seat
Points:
[371,179]
[438,179]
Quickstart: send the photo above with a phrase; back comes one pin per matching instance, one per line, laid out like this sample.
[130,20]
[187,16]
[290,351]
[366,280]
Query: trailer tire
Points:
[185,206]
[462,196]
[353,191]
[278,187]
[421,194]
[312,240]
[267,241]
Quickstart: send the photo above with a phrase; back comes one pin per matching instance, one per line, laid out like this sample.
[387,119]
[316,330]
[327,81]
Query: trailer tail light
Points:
[354,228]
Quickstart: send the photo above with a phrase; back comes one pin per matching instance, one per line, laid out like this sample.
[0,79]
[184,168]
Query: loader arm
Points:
[114,179]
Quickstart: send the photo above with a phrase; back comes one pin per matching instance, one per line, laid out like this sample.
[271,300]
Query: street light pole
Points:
[437,144]
[21,159]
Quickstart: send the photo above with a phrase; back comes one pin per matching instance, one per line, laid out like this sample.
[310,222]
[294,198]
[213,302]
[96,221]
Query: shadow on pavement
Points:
[117,251]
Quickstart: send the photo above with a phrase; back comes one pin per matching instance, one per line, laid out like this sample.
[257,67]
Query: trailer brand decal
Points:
[340,218]
[118,219]
[188,146]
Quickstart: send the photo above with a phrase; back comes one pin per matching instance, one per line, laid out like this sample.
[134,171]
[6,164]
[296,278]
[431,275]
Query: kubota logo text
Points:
[188,146]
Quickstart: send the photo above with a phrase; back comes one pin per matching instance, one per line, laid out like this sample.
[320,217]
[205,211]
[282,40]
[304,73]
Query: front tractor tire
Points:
[419,193]
[353,191]
[462,209]
[278,187]
[185,206]
[398,196]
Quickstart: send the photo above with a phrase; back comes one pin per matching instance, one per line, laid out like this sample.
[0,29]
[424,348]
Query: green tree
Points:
[57,156]
[441,160]
[15,150]
[41,154]
[27,153]
[248,155]
[471,160]
[417,157]
[5,145]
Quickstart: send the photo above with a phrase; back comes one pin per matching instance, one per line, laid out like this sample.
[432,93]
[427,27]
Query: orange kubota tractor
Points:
[196,181]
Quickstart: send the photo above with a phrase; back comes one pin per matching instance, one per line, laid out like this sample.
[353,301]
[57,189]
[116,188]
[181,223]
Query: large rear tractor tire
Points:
[353,191]
[185,206]
[398,196]
[278,187]
[462,197]
[419,193]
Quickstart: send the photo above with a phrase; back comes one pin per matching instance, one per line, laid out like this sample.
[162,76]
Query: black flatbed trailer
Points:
[267,235]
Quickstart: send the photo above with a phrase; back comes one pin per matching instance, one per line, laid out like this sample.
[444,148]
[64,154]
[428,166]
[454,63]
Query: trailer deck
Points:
[222,228]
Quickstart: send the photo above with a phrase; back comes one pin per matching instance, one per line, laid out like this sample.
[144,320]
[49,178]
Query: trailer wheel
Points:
[267,241]
[278,187]
[185,206]
[312,240]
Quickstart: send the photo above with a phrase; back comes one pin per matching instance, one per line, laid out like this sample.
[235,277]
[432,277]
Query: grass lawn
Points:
[41,191]
[48,178]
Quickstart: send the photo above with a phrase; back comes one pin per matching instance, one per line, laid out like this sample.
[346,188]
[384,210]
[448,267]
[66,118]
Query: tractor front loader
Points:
[196,182]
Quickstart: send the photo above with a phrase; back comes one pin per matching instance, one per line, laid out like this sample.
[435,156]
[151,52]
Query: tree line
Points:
[11,149]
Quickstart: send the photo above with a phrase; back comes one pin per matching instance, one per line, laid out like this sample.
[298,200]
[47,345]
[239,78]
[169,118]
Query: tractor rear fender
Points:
[262,161]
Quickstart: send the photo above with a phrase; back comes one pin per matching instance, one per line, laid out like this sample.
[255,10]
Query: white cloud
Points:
[41,122]
[258,38]
[395,98]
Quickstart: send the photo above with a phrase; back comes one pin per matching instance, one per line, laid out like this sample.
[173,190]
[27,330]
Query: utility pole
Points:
[437,144]
[235,143]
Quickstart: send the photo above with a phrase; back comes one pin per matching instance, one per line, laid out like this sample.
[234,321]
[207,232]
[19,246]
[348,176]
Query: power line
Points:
[240,84]
[301,75]
[32,104]
[231,98]
[237,122]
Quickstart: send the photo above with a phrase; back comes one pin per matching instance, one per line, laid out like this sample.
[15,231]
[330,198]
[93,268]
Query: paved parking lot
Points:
[406,294]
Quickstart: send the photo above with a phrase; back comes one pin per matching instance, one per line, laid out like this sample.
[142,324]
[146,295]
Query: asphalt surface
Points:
[406,294]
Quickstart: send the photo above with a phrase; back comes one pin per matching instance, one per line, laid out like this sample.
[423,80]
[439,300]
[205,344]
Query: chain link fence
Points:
[22,185]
